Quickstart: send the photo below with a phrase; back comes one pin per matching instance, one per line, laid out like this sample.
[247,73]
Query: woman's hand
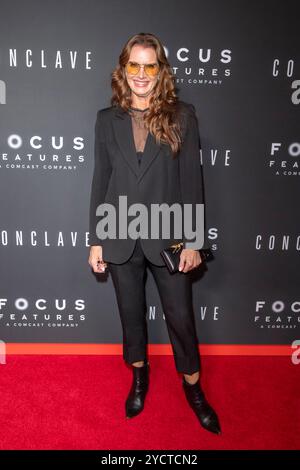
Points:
[96,260]
[189,259]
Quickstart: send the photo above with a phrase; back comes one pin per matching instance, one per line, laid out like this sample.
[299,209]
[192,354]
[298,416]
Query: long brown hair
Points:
[161,119]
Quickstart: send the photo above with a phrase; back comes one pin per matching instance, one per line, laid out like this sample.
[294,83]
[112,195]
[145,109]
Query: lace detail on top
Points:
[139,130]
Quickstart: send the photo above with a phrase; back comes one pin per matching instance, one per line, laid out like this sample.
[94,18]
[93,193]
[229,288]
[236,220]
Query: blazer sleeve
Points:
[101,176]
[191,176]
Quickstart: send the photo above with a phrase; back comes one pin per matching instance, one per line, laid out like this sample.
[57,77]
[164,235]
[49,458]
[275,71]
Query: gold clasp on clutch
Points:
[176,247]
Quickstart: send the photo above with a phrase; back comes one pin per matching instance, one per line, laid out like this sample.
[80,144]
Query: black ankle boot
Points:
[204,412]
[135,400]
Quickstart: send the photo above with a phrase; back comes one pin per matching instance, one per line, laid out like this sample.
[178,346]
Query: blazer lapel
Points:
[124,136]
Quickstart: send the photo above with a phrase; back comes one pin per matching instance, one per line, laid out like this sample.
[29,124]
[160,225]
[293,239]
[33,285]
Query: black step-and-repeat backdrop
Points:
[238,63]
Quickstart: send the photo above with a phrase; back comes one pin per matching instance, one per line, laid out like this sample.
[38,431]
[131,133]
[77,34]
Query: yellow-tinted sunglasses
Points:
[150,69]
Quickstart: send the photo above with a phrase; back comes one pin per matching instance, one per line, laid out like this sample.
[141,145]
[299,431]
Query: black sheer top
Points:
[139,130]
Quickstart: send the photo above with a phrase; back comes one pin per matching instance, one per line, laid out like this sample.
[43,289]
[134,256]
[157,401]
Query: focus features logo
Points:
[42,153]
[204,66]
[284,159]
[42,313]
[277,314]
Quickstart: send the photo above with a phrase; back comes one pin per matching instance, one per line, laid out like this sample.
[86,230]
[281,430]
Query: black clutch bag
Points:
[171,256]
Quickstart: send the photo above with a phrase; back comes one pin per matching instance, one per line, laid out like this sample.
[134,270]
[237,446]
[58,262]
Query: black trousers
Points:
[175,291]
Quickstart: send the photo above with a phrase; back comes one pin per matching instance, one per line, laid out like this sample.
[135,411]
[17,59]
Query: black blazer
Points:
[158,179]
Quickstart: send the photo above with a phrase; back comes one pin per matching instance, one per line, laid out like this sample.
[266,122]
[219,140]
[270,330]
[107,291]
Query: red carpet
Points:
[77,402]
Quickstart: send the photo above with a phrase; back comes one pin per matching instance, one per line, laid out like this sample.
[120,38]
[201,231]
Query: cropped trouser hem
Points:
[133,354]
[187,365]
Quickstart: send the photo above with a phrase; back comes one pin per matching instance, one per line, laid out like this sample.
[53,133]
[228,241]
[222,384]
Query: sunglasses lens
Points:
[151,69]
[132,68]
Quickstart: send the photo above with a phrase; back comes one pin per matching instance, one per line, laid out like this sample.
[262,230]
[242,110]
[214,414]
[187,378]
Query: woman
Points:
[147,150]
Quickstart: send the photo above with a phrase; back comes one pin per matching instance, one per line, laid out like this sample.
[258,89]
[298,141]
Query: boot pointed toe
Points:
[199,404]
[212,425]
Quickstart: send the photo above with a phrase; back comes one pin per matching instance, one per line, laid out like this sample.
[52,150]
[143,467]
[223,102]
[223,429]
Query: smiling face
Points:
[141,84]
